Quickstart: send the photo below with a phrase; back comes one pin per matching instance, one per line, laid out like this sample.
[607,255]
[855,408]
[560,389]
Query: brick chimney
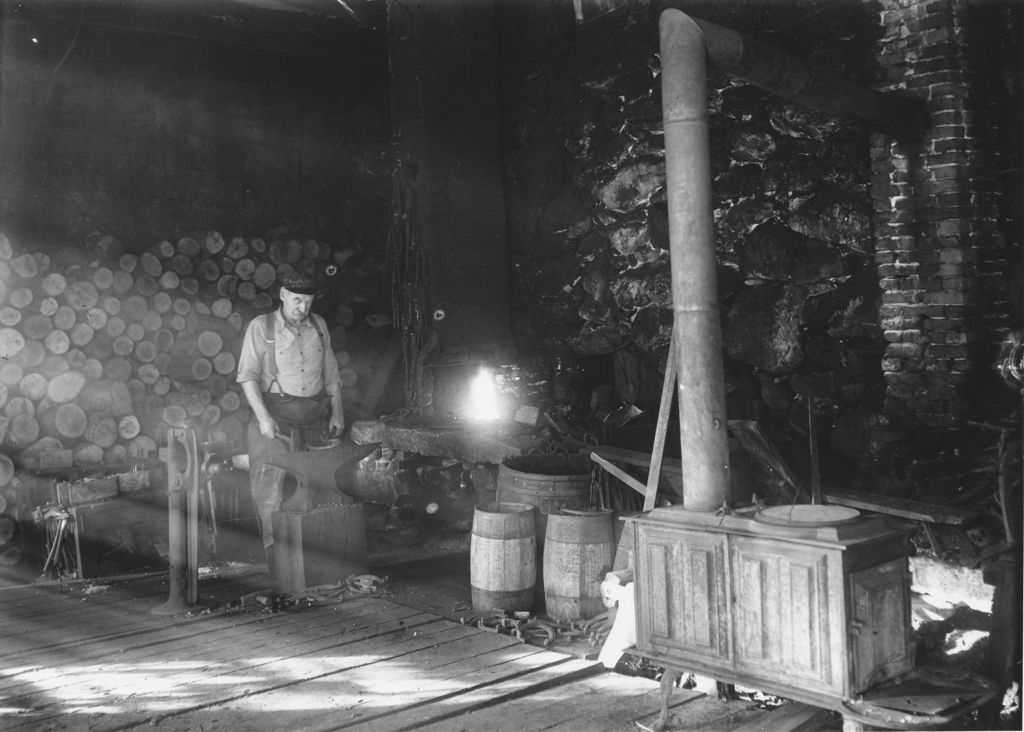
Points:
[941,258]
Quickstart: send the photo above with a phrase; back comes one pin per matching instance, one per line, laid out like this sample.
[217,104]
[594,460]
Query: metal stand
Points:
[183,468]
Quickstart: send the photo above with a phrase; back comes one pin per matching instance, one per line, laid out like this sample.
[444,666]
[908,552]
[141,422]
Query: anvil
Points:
[314,470]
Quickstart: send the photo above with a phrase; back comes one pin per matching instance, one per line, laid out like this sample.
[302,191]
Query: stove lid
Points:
[805,515]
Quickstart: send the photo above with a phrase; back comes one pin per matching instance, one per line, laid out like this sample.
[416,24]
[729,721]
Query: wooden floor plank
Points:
[246,633]
[128,635]
[704,713]
[52,673]
[66,622]
[201,639]
[175,681]
[606,701]
[56,616]
[436,684]
[439,713]
[320,703]
[791,717]
[176,688]
[334,680]
[131,599]
[105,663]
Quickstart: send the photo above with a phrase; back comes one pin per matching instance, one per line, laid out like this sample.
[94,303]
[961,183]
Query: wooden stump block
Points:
[164,249]
[188,247]
[123,282]
[12,316]
[323,546]
[214,242]
[103,278]
[224,362]
[128,263]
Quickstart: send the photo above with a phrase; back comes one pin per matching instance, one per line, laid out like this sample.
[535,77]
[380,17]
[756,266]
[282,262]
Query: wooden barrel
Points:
[578,550]
[503,557]
[549,482]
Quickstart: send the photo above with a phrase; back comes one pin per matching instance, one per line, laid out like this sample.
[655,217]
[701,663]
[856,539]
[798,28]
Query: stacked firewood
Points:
[103,350]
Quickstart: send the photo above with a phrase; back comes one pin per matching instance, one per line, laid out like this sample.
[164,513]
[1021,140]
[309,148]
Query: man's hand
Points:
[268,427]
[266,423]
[336,425]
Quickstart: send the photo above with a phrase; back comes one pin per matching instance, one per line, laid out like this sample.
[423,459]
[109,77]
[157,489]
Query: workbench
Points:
[91,520]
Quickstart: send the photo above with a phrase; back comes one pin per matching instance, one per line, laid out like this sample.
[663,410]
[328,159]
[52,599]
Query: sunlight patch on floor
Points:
[302,668]
[174,685]
[961,641]
[290,700]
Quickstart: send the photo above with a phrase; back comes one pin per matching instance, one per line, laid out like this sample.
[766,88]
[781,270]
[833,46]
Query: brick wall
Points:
[940,256]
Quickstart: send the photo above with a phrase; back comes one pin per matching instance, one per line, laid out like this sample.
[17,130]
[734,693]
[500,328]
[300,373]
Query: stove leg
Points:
[726,691]
[668,682]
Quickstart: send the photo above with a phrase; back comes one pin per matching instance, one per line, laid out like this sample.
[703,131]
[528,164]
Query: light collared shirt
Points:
[305,360]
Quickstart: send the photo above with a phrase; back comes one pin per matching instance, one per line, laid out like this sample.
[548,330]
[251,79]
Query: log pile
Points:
[103,350]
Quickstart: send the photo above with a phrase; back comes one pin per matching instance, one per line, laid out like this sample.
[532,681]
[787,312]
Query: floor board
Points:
[94,656]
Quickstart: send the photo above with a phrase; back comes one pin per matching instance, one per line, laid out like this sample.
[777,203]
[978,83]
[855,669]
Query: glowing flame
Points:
[483,396]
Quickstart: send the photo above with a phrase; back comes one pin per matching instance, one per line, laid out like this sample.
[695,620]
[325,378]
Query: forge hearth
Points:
[443,426]
[448,436]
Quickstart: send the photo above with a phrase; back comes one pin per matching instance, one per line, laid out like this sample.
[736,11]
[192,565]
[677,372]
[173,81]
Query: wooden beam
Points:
[661,430]
[635,457]
[620,474]
[902,507]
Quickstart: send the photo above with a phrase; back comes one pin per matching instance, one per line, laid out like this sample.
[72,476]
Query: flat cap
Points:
[299,283]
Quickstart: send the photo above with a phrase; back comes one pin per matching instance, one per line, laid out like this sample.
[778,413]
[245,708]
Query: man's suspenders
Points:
[270,338]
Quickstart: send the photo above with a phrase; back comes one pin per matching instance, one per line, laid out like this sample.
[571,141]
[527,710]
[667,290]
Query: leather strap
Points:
[271,334]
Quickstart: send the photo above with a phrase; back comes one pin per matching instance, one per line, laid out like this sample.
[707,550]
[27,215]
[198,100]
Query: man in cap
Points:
[289,375]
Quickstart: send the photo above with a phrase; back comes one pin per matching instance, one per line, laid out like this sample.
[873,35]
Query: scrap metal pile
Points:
[544,632]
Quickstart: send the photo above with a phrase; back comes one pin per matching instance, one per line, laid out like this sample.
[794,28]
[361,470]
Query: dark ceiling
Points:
[299,27]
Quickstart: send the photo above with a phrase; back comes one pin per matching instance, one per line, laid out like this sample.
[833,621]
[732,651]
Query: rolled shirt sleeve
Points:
[332,374]
[254,346]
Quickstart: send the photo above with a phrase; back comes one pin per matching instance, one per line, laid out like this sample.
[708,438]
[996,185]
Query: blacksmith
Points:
[289,375]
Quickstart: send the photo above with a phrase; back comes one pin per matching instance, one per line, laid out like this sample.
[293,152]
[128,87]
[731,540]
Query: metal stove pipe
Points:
[698,331]
[793,78]
[686,46]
